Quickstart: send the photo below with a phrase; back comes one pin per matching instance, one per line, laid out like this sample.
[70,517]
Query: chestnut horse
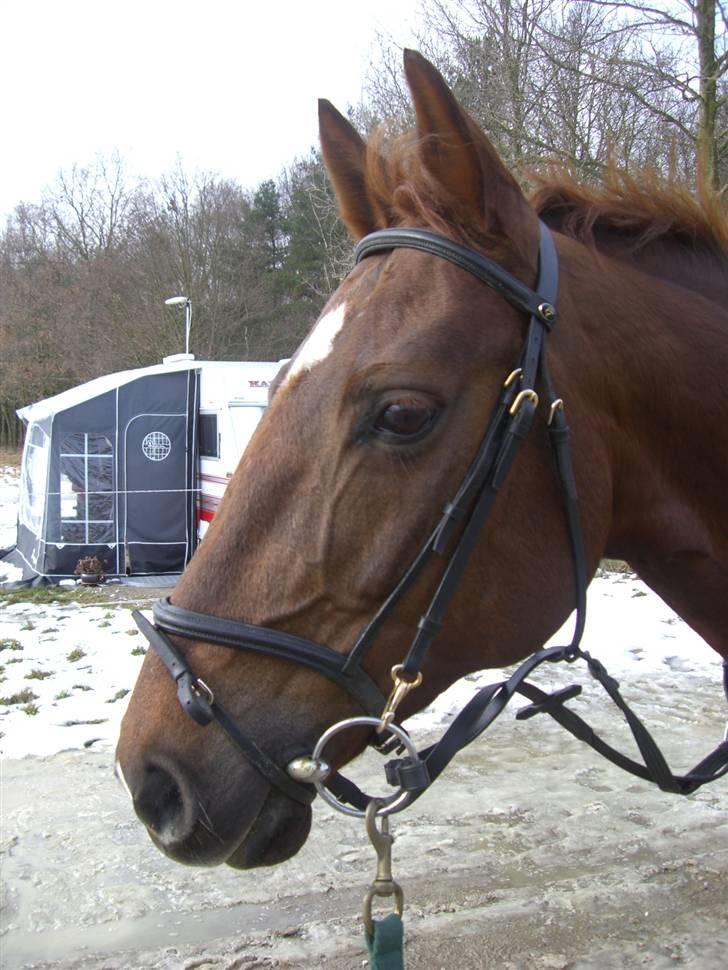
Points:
[370,432]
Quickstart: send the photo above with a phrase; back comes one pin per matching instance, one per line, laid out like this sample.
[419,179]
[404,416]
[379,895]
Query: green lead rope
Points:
[386,944]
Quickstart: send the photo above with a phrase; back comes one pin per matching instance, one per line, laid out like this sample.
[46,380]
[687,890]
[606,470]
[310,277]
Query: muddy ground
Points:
[530,852]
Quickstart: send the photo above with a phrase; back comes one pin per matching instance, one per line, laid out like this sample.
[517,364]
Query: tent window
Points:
[209,439]
[245,418]
[35,473]
[87,489]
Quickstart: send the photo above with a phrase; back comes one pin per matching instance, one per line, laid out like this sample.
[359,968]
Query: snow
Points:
[79,662]
[9,489]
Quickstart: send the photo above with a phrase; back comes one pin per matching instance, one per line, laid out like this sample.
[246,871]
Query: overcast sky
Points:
[228,86]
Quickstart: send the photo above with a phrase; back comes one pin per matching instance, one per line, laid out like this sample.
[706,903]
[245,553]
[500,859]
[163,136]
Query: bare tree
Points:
[684,53]
[88,208]
[585,81]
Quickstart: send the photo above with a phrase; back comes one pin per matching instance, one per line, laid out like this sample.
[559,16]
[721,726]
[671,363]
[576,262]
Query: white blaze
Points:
[319,342]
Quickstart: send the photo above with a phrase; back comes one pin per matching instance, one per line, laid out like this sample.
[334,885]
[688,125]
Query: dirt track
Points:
[529,853]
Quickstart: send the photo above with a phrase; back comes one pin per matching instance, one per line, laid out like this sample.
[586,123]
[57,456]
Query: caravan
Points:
[131,467]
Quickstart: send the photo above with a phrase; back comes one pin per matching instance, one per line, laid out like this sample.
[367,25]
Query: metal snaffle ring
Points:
[390,803]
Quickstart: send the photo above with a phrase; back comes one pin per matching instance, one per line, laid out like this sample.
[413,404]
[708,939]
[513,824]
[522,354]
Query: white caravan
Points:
[130,468]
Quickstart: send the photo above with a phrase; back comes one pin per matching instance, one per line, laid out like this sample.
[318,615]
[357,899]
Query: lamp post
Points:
[186,302]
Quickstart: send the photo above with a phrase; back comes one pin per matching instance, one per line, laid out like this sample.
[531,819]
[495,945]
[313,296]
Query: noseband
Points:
[465,514]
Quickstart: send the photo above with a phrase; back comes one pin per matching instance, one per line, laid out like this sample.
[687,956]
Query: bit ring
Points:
[390,803]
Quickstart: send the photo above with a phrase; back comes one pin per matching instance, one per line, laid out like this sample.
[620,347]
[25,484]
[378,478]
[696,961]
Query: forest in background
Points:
[85,270]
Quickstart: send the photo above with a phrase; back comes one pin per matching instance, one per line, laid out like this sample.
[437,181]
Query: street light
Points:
[186,302]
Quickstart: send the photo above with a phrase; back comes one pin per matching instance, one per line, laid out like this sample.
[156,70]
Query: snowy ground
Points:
[65,669]
[9,490]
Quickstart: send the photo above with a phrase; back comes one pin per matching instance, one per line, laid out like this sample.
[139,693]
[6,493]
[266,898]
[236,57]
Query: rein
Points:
[458,530]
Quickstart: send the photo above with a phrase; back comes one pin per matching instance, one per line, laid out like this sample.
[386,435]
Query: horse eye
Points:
[404,419]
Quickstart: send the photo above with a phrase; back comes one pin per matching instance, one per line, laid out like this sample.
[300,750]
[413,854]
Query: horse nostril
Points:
[165,806]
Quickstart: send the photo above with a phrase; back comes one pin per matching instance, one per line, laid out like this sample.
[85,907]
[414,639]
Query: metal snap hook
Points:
[384,884]
[400,690]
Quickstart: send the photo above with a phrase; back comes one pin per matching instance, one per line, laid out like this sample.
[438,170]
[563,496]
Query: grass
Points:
[75,655]
[118,695]
[10,644]
[615,566]
[78,595]
[24,696]
[59,595]
[37,674]
[11,456]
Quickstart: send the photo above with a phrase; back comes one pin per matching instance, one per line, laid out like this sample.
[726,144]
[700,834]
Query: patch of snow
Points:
[9,492]
[67,673]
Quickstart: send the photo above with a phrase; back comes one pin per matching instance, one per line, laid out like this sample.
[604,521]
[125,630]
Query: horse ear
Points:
[345,153]
[457,153]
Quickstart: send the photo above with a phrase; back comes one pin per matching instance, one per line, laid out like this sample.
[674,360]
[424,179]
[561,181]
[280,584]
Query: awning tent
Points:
[110,470]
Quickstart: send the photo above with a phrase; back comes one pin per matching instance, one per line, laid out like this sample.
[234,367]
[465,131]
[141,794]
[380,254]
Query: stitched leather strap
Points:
[275,643]
[486,270]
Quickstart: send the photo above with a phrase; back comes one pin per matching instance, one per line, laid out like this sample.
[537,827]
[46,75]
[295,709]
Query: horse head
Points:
[370,431]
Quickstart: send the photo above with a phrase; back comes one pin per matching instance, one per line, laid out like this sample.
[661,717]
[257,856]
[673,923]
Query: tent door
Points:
[157,494]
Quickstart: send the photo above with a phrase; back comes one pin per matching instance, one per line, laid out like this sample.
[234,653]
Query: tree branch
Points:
[658,15]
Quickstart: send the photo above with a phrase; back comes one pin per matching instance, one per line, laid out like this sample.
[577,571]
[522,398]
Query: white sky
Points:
[228,86]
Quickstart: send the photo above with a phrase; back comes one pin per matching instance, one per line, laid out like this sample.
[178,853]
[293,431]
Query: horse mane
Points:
[404,192]
[641,209]
[639,212]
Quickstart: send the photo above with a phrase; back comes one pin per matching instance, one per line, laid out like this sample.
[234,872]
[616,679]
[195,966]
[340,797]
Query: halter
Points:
[453,539]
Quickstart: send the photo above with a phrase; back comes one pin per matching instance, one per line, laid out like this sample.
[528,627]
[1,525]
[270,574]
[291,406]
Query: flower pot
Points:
[91,579]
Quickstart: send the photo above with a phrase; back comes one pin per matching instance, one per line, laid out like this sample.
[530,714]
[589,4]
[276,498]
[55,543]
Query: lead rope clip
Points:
[384,884]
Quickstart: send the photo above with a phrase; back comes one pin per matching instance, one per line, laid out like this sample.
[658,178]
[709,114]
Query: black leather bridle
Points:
[454,539]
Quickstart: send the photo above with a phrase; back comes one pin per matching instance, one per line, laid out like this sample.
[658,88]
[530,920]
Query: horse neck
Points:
[702,268]
[652,381]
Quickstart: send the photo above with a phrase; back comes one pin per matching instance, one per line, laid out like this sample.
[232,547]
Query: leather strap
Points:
[490,701]
[274,643]
[202,707]
[486,270]
[506,432]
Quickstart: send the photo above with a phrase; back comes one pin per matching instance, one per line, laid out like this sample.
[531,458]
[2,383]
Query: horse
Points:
[656,225]
[378,421]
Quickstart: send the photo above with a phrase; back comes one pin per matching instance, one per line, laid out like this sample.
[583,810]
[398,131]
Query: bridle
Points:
[453,539]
